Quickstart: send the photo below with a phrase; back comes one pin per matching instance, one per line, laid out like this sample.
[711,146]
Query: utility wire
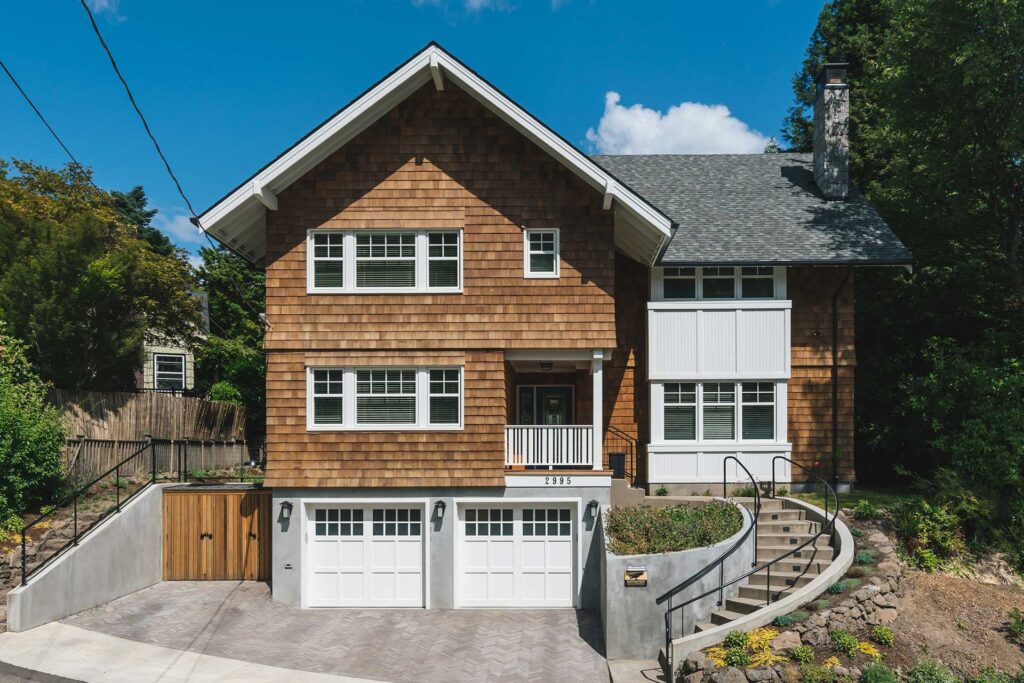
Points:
[159,151]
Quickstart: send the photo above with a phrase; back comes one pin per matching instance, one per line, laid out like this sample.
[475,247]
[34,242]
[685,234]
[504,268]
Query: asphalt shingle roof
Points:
[755,208]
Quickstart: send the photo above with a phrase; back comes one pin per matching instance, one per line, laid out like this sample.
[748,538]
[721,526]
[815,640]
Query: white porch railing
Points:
[549,445]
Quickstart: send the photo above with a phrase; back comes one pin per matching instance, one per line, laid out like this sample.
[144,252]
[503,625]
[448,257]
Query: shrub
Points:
[32,436]
[930,671]
[803,654]
[864,558]
[716,655]
[856,532]
[761,638]
[821,604]
[737,656]
[876,672]
[1015,626]
[736,639]
[765,657]
[929,533]
[662,491]
[643,529]
[926,559]
[782,492]
[226,392]
[856,572]
[843,586]
[794,617]
[990,676]
[744,492]
[866,510]
[870,650]
[814,673]
[883,635]
[844,641]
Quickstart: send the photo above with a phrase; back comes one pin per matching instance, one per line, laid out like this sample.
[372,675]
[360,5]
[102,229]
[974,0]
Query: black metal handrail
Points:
[719,562]
[73,500]
[828,525]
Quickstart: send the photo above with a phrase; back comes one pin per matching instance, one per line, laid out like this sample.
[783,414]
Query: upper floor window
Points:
[689,283]
[383,398]
[169,371]
[541,253]
[382,261]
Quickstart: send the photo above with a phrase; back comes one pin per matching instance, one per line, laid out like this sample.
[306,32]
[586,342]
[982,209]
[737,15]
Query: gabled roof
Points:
[756,208]
[239,218]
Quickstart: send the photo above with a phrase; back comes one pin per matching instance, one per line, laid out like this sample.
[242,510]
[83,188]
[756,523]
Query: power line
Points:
[159,151]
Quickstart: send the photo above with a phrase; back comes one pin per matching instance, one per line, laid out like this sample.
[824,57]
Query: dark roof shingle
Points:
[755,208]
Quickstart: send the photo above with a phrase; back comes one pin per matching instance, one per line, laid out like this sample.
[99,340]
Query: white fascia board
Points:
[405,80]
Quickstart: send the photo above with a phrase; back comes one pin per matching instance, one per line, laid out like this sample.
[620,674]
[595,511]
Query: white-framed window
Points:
[758,411]
[169,371]
[383,261]
[681,411]
[715,412]
[718,283]
[541,253]
[384,398]
[328,397]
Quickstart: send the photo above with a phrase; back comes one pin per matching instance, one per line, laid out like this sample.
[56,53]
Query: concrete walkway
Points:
[227,631]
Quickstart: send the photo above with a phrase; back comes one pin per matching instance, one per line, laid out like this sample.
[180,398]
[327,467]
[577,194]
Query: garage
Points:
[521,555]
[364,556]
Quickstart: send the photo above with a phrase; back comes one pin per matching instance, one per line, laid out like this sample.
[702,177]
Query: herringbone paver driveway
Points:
[241,621]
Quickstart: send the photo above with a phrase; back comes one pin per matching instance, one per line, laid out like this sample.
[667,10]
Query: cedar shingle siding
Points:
[437,160]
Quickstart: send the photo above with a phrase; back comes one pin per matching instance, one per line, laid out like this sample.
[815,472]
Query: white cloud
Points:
[109,7]
[196,260]
[473,6]
[687,128]
[175,224]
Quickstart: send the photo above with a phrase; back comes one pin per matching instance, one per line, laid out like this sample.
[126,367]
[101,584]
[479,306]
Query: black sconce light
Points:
[593,507]
[286,510]
[546,365]
[439,508]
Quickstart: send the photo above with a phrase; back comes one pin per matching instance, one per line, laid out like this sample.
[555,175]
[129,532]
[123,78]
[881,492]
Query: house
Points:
[472,325]
[168,365]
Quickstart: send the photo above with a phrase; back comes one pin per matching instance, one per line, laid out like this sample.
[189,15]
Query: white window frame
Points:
[349,259]
[780,388]
[349,401]
[311,260]
[658,284]
[527,272]
[156,371]
[740,403]
[311,400]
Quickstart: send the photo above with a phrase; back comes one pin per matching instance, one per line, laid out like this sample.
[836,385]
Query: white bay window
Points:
[383,261]
[704,412]
[383,399]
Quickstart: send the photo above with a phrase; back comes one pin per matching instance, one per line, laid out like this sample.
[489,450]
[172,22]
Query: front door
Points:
[545,405]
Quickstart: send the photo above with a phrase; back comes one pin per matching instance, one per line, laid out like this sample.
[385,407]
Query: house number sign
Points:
[557,481]
[635,577]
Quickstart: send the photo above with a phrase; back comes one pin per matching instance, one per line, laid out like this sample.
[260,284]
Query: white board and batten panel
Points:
[704,463]
[720,340]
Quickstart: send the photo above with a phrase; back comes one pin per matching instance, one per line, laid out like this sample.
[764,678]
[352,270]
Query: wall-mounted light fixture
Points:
[286,510]
[593,507]
[546,365]
[439,508]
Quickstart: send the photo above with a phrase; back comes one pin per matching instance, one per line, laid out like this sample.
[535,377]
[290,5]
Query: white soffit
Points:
[239,218]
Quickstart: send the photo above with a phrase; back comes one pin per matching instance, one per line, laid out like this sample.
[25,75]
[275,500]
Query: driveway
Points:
[239,621]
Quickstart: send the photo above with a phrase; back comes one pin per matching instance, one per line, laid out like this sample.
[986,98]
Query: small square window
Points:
[541,257]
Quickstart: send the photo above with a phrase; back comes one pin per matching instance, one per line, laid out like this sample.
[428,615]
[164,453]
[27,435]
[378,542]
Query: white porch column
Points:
[597,374]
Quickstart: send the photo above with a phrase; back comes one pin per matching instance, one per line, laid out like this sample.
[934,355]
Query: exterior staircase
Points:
[779,530]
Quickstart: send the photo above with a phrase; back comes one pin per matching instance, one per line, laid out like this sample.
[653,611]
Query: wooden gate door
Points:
[216,535]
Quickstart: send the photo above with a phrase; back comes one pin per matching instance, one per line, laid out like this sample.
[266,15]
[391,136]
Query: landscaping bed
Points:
[644,530]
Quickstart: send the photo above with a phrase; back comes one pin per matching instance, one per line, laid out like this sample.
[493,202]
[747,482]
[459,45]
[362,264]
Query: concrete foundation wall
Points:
[440,567]
[634,624]
[123,555]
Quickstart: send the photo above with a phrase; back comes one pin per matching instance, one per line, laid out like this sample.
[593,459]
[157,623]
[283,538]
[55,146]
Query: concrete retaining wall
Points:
[123,555]
[634,625]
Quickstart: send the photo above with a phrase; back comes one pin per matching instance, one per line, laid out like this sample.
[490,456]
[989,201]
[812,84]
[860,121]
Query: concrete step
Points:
[779,515]
[786,526]
[766,503]
[760,593]
[724,616]
[791,539]
[817,564]
[768,551]
[782,579]
[706,626]
[742,605]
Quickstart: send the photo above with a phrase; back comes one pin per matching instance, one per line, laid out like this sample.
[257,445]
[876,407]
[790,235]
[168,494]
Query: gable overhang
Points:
[238,220]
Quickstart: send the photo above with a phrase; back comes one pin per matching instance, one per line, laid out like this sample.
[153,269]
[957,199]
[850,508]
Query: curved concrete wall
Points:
[634,624]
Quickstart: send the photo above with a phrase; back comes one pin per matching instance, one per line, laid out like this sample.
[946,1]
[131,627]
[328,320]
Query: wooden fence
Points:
[126,416]
[89,458]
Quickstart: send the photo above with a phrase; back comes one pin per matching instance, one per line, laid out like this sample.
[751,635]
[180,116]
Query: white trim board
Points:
[239,219]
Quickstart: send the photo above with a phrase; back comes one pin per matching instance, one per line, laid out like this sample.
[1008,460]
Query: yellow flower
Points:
[870,650]
[766,657]
[831,663]
[716,655]
[761,638]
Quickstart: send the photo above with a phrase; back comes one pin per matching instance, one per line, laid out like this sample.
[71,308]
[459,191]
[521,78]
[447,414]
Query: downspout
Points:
[835,378]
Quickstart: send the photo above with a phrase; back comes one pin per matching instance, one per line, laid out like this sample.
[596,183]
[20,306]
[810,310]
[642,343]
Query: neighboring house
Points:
[168,366]
[468,317]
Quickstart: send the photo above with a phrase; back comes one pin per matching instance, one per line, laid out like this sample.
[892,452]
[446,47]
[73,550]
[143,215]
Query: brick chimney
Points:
[831,132]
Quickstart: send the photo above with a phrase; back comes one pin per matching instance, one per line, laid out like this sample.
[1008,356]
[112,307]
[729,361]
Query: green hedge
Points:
[646,530]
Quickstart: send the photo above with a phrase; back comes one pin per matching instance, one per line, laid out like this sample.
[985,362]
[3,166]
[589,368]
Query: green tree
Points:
[133,207]
[77,283]
[32,437]
[230,364]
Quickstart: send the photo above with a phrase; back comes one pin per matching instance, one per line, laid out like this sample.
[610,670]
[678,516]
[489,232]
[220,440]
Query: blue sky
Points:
[227,85]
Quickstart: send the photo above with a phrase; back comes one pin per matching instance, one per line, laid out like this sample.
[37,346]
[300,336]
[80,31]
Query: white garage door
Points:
[517,556]
[367,556]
